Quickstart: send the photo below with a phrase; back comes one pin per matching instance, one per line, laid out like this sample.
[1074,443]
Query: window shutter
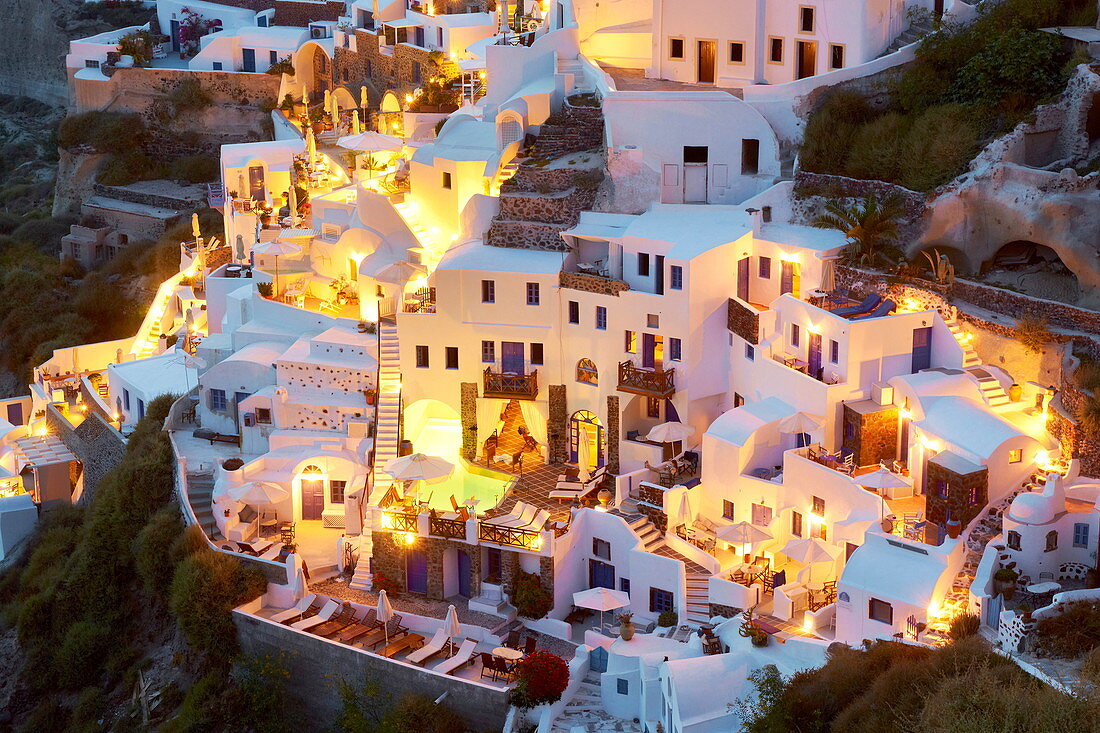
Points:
[670,174]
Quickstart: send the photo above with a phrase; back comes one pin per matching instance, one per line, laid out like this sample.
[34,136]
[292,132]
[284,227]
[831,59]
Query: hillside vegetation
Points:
[968,85]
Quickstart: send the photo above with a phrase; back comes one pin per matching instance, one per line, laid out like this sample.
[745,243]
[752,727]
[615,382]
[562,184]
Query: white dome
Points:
[1033,508]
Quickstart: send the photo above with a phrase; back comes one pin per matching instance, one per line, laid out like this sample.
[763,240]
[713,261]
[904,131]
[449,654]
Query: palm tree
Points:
[870,226]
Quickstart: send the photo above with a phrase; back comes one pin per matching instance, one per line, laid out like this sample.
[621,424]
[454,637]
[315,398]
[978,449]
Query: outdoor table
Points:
[815,586]
[508,654]
[1048,586]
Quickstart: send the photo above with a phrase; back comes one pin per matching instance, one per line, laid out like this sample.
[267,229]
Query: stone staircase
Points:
[651,537]
[200,488]
[585,714]
[362,578]
[698,592]
[387,429]
[914,32]
[970,357]
[431,241]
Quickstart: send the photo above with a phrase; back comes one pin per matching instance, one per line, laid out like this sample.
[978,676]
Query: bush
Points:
[155,548]
[530,598]
[938,146]
[1072,633]
[84,641]
[1090,670]
[189,95]
[130,167]
[667,618]
[107,132]
[876,148]
[964,625]
[830,130]
[195,168]
[206,587]
[1033,333]
[542,678]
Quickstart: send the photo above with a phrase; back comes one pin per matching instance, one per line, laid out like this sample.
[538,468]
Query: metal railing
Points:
[520,386]
[646,382]
[450,529]
[500,534]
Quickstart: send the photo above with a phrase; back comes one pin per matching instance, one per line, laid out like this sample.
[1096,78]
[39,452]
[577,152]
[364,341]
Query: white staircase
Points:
[572,69]
[585,712]
[698,599]
[361,579]
[147,340]
[389,407]
[970,357]
[432,244]
[992,391]
[651,537]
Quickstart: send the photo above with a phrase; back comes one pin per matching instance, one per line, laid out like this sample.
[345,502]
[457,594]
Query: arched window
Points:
[587,372]
[311,470]
[511,131]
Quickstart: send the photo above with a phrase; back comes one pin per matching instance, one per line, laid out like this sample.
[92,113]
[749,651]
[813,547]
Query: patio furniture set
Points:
[571,489]
[684,465]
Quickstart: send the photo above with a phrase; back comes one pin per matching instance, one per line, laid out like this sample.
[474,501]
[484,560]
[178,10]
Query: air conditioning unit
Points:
[882,393]
[316,31]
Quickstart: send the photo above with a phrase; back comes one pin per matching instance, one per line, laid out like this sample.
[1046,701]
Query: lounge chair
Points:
[462,658]
[396,646]
[339,622]
[327,612]
[360,628]
[883,309]
[869,304]
[566,490]
[539,521]
[431,649]
[520,519]
[391,630]
[294,613]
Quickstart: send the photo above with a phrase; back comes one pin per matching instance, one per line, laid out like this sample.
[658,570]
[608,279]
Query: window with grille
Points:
[676,277]
[574,312]
[1080,535]
[217,400]
[661,600]
[533,297]
[336,491]
[675,349]
[601,318]
[422,356]
[727,509]
[510,132]
[488,291]
[488,351]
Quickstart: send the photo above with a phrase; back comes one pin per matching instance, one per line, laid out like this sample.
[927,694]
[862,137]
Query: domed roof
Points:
[1033,508]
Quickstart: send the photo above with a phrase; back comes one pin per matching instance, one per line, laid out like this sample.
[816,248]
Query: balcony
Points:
[500,534]
[592,282]
[634,379]
[511,386]
[448,529]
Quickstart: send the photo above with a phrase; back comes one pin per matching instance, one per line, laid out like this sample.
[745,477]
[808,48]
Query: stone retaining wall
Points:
[316,664]
[560,207]
[743,321]
[527,235]
[98,445]
[592,283]
[121,193]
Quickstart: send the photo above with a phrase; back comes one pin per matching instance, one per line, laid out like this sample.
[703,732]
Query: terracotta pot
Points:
[1015,392]
[954,528]
[604,496]
[626,630]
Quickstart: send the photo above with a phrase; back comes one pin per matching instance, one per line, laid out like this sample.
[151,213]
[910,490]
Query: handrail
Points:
[652,382]
[501,534]
[400,522]
[500,384]
[451,529]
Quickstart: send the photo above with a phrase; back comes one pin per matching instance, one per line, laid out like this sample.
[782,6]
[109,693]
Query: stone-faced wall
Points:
[389,559]
[743,321]
[139,89]
[98,445]
[592,283]
[384,71]
[956,505]
[302,12]
[556,430]
[467,400]
[613,418]
[875,435]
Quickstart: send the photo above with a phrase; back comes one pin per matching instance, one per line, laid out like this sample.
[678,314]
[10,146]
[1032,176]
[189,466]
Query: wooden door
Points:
[815,355]
[313,498]
[256,188]
[806,59]
[511,357]
[743,279]
[707,61]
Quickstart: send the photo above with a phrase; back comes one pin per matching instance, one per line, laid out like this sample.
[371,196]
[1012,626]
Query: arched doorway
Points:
[1034,269]
[313,492]
[585,426]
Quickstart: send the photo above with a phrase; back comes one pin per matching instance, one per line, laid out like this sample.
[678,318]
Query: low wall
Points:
[316,663]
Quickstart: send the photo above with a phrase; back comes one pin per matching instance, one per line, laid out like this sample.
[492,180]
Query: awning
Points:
[401,23]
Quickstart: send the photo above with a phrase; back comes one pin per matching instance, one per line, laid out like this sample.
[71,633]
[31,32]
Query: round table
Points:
[508,653]
[815,586]
[1048,586]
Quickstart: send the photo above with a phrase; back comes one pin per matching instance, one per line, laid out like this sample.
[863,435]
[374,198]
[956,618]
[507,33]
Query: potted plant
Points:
[1004,582]
[667,619]
[626,626]
[1025,609]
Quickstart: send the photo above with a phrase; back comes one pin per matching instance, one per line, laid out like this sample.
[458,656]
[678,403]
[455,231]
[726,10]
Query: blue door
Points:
[922,348]
[601,575]
[743,279]
[416,571]
[511,357]
[248,59]
[174,32]
[420,36]
[463,574]
[15,413]
[815,355]
[597,659]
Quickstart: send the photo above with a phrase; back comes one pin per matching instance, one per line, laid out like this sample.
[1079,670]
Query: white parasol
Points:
[670,432]
[370,141]
[584,454]
[258,493]
[276,248]
[399,272]
[880,479]
[419,467]
[810,550]
[451,626]
[601,599]
[385,613]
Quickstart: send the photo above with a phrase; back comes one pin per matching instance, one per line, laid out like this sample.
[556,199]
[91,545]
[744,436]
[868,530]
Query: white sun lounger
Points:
[465,652]
[539,521]
[518,517]
[327,612]
[430,649]
[296,610]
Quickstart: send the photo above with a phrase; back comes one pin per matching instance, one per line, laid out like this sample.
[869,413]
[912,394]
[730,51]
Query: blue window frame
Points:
[624,585]
[574,312]
[765,268]
[601,318]
[834,352]
[126,399]
[661,600]
[533,297]
[216,66]
[217,400]
[675,350]
[622,686]
[676,277]
[488,351]
[750,352]
[1080,535]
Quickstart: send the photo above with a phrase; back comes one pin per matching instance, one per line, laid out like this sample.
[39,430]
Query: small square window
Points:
[1015,455]
[216,66]
[1080,535]
[601,318]
[880,611]
[488,352]
[661,600]
[451,356]
[533,297]
[652,407]
[819,506]
[536,354]
[676,48]
[622,686]
[217,400]
[263,416]
[91,64]
[601,548]
[574,312]
[727,509]
[422,356]
[675,349]
[775,50]
[446,179]
[836,56]
[737,52]
[750,352]
[643,264]
[652,320]
[738,399]
[336,491]
[766,268]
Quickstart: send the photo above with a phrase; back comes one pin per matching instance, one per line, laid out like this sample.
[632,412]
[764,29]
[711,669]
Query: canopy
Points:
[258,492]
[880,479]
[670,432]
[601,599]
[810,550]
[277,248]
[800,422]
[419,467]
[370,141]
[399,272]
[742,533]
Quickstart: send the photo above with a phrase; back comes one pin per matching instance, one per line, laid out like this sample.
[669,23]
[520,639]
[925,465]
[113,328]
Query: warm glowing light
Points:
[906,414]
[1042,457]
[817,518]
[933,609]
[789,257]
[808,622]
[44,429]
[387,522]
[409,98]
[929,444]
[536,543]
[481,74]
[814,328]
[912,304]
[115,416]
[410,538]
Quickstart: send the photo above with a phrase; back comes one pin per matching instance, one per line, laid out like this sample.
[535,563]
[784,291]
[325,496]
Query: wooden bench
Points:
[408,642]
[212,436]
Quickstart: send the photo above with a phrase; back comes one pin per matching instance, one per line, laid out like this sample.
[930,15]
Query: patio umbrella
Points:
[370,141]
[882,478]
[399,272]
[743,534]
[311,146]
[601,599]
[195,231]
[277,248]
[292,200]
[418,467]
[385,613]
[328,100]
[305,95]
[810,550]
[670,432]
[685,506]
[452,627]
[240,186]
[828,275]
[584,454]
[355,127]
[334,113]
[800,423]
[258,492]
[240,247]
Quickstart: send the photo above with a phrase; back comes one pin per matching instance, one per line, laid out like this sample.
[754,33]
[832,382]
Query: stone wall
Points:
[98,445]
[592,283]
[148,198]
[389,559]
[875,435]
[956,505]
[560,207]
[527,235]
[556,429]
[720,609]
[743,321]
[138,89]
[613,418]
[467,400]
[302,12]
[382,71]
[315,664]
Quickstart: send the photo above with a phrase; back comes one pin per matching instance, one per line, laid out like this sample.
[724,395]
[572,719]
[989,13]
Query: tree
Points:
[542,677]
[870,226]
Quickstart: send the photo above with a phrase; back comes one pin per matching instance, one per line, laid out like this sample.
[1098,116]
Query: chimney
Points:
[756,216]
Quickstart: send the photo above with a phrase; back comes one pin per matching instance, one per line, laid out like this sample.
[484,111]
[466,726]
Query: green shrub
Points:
[667,618]
[155,548]
[195,168]
[189,95]
[530,598]
[84,641]
[1033,333]
[1017,65]
[127,168]
[938,146]
[964,625]
[206,587]
[830,130]
[876,148]
[1090,669]
[107,132]
[1072,633]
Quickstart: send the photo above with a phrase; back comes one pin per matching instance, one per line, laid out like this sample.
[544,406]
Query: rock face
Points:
[36,41]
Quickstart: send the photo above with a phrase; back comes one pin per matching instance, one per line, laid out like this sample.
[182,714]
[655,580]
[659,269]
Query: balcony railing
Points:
[509,386]
[400,522]
[646,382]
[450,529]
[527,539]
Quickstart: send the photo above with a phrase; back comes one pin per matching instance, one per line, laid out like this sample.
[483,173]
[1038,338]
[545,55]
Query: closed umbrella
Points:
[240,186]
[334,112]
[800,423]
[305,95]
[584,454]
[364,101]
[355,127]
[601,599]
[828,275]
[311,146]
[328,100]
[385,613]
[195,231]
[276,248]
[451,627]
[240,248]
[258,493]
[685,507]
[292,200]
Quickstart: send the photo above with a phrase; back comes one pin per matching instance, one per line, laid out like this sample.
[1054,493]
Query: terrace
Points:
[648,382]
[507,386]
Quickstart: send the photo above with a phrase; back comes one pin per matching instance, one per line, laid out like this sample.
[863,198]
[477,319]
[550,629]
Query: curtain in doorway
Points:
[535,421]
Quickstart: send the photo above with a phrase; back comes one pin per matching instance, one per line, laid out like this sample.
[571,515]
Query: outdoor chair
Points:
[431,649]
[837,297]
[390,630]
[360,628]
[529,645]
[869,304]
[297,610]
[488,669]
[329,610]
[566,490]
[503,670]
[883,309]
[343,619]
[512,642]
[462,658]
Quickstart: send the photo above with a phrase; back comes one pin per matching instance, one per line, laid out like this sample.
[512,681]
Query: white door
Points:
[695,183]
